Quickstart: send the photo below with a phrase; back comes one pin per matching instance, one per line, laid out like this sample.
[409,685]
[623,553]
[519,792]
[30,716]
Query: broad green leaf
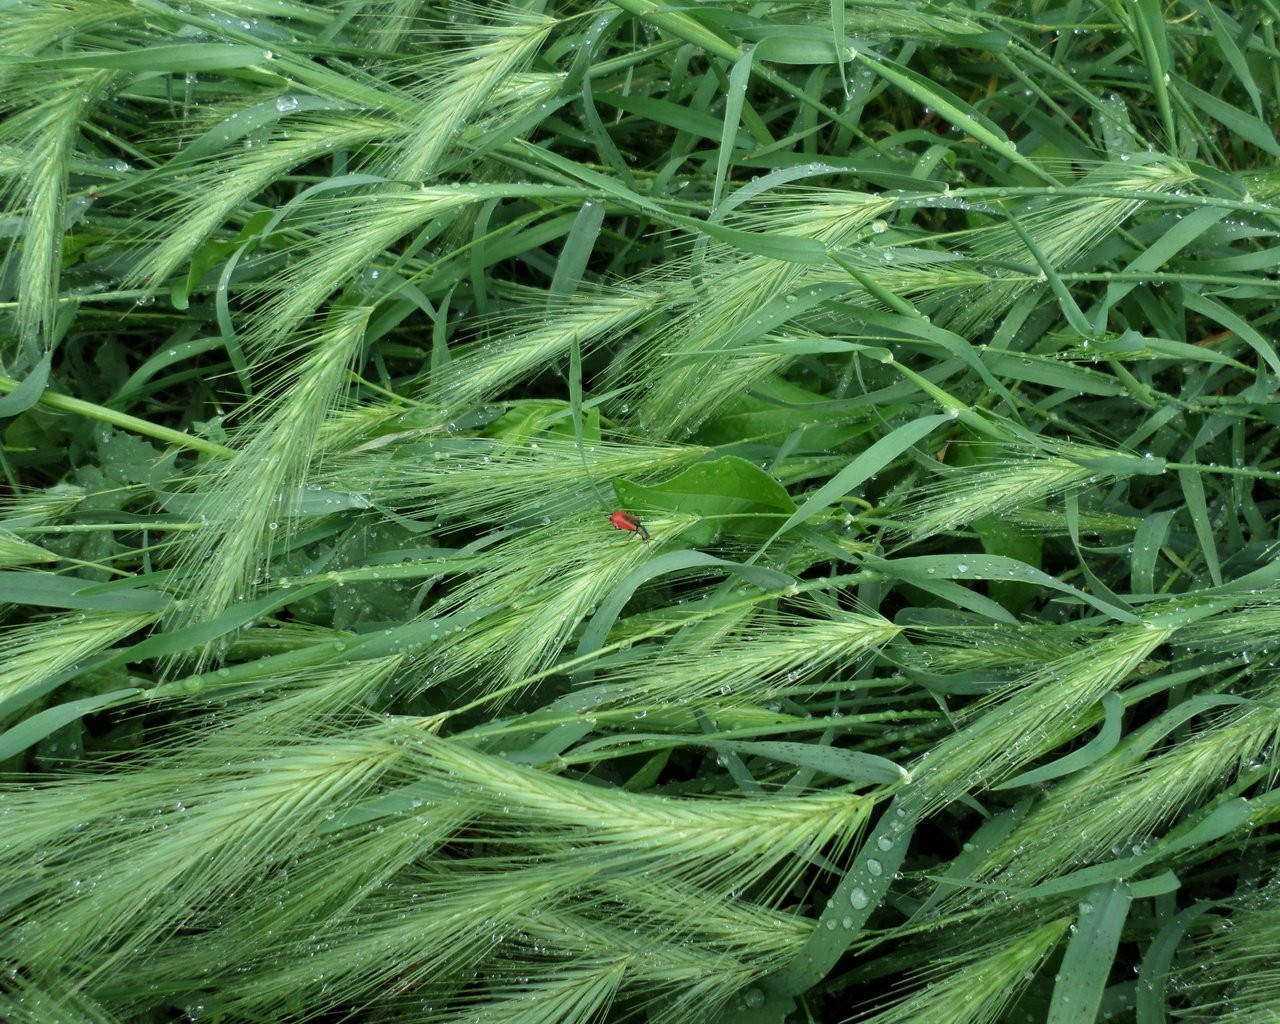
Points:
[735,98]
[50,591]
[951,108]
[1198,508]
[659,111]
[170,643]
[577,250]
[593,636]
[774,411]
[1052,373]
[1097,748]
[680,24]
[987,567]
[1238,122]
[728,494]
[863,467]
[801,44]
[24,394]
[1087,963]
[850,765]
[32,730]
[181,57]
[1147,541]
[852,902]
[1242,328]
[249,120]
[1150,1005]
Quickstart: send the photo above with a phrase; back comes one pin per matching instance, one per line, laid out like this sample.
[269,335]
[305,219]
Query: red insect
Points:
[626,521]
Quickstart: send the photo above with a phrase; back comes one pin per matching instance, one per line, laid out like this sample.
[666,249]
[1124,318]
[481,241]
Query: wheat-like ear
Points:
[492,482]
[1227,971]
[1062,227]
[1006,487]
[527,594]
[16,551]
[1030,718]
[36,654]
[687,367]
[463,88]
[1117,807]
[165,842]
[195,840]
[413,126]
[761,658]
[189,202]
[1004,651]
[523,341]
[44,27]
[43,130]
[245,505]
[28,999]
[978,985]
[497,497]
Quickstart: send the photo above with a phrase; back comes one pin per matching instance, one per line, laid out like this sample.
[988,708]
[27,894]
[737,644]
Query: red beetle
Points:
[626,521]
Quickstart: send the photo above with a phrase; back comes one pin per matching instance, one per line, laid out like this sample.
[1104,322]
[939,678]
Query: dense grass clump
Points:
[930,345]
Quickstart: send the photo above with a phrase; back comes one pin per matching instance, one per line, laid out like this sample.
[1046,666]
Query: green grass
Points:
[931,342]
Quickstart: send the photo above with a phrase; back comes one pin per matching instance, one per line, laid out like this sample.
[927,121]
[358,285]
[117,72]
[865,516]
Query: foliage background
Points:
[932,342]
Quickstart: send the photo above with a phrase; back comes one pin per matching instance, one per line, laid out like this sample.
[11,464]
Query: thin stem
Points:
[79,407]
